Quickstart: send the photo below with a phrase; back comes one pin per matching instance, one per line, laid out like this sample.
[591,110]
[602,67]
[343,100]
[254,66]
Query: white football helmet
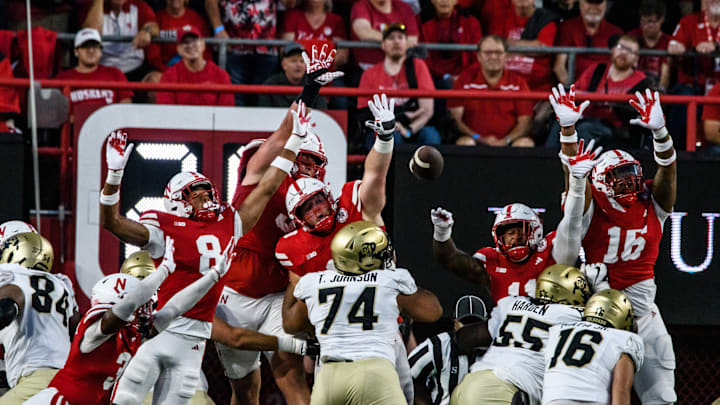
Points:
[618,169]
[111,289]
[300,192]
[10,228]
[532,228]
[178,192]
[313,166]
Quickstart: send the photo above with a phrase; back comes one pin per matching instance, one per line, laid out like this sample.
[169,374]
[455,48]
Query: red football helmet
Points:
[618,175]
[311,159]
[178,194]
[300,192]
[532,228]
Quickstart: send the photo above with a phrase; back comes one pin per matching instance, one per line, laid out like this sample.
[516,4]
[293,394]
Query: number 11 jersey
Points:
[519,327]
[355,317]
[39,336]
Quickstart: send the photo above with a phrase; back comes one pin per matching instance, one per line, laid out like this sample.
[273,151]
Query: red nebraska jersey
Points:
[255,272]
[691,31]
[572,32]
[625,239]
[88,378]
[303,252]
[510,278]
[101,97]
[198,246]
[297,23]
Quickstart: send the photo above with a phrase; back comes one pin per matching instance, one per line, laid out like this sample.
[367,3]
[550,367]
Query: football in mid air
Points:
[427,163]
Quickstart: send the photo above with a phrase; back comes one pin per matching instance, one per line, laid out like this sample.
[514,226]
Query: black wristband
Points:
[312,88]
[8,311]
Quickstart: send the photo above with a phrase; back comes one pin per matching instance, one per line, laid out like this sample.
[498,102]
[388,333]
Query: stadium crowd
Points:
[625,27]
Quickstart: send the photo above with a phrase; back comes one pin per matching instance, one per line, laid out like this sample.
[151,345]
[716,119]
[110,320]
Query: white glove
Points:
[651,114]
[317,66]
[581,164]
[384,124]
[117,153]
[301,120]
[443,221]
[168,260]
[223,266]
[597,275]
[566,112]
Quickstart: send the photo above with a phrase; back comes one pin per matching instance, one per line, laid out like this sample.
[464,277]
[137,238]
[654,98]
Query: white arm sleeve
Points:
[184,300]
[405,282]
[125,308]
[156,241]
[93,337]
[568,238]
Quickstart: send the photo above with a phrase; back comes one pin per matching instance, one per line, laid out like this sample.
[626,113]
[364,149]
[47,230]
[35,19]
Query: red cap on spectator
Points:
[187,30]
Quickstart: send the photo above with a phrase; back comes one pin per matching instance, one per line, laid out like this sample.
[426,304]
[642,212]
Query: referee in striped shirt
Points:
[437,365]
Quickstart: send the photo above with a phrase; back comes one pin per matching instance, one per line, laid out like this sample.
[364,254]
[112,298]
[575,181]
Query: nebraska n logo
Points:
[120,285]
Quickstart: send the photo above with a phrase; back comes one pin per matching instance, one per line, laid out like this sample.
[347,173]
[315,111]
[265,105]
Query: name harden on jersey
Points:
[529,307]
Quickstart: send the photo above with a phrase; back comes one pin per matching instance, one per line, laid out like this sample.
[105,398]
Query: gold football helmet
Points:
[360,247]
[562,284]
[609,308]
[139,265]
[29,250]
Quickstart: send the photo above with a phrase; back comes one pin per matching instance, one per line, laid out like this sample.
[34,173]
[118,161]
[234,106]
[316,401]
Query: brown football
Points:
[427,163]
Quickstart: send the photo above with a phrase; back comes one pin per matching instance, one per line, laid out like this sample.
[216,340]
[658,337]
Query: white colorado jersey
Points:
[39,337]
[580,360]
[355,317]
[519,329]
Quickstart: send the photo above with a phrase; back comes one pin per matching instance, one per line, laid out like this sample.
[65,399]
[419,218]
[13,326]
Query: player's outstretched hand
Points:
[384,113]
[168,260]
[596,274]
[318,64]
[581,164]
[566,112]
[650,110]
[443,221]
[117,151]
[301,120]
[223,266]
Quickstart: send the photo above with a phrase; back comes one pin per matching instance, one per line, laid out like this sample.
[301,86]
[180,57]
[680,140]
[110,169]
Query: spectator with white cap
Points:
[89,50]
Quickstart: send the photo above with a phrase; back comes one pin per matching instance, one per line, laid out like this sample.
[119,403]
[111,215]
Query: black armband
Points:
[312,88]
[8,311]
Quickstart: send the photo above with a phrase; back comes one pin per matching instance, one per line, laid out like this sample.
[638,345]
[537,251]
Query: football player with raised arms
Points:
[521,250]
[253,293]
[519,325]
[38,314]
[599,355]
[201,226]
[112,330]
[353,308]
[622,229]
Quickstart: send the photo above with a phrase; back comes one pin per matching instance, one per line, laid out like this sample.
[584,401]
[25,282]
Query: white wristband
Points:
[662,146]
[289,344]
[442,234]
[569,139]
[660,133]
[666,162]
[111,199]
[114,177]
[282,164]
[384,146]
[293,143]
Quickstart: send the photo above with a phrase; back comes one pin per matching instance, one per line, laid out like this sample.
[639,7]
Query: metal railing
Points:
[223,45]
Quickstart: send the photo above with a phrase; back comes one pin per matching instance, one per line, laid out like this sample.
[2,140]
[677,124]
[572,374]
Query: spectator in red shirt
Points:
[652,16]
[588,30]
[9,101]
[450,25]
[194,68]
[411,115]
[492,122]
[257,19]
[494,13]
[603,121]
[175,16]
[369,19]
[711,123]
[527,25]
[125,17]
[88,51]
[314,21]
